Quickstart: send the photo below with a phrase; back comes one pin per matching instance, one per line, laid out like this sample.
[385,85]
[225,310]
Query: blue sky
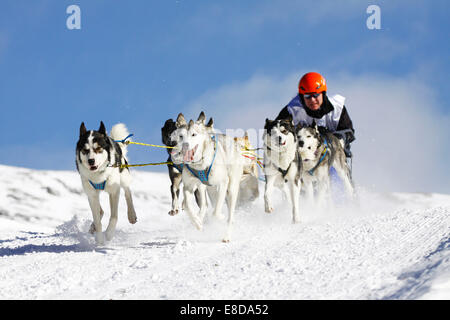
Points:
[141,62]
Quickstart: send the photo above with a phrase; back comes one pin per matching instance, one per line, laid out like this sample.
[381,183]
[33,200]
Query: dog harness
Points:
[284,172]
[178,166]
[203,175]
[98,186]
[324,153]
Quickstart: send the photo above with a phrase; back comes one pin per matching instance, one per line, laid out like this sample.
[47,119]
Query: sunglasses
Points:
[313,95]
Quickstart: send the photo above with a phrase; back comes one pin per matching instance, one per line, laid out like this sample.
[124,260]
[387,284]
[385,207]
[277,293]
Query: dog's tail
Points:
[118,133]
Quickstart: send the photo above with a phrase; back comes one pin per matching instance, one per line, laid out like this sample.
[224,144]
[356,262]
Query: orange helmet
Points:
[312,82]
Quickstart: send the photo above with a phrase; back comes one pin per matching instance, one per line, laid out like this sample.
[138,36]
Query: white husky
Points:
[211,160]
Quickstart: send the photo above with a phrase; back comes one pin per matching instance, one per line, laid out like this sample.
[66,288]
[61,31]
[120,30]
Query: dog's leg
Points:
[92,228]
[130,206]
[232,195]
[212,194]
[114,203]
[200,197]
[309,191]
[94,203]
[188,199]
[294,192]
[222,192]
[345,177]
[175,190]
[323,191]
[270,181]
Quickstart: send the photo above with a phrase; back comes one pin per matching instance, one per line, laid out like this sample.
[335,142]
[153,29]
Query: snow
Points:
[386,246]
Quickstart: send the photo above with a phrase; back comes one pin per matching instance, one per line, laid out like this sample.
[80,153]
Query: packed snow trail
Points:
[390,246]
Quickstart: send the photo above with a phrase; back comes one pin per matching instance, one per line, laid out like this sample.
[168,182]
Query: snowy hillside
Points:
[389,246]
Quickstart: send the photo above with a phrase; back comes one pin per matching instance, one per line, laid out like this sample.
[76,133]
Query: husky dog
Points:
[170,139]
[282,164]
[211,160]
[320,150]
[98,160]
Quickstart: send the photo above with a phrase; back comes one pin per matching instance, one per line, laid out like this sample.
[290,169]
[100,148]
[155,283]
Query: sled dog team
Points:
[215,166]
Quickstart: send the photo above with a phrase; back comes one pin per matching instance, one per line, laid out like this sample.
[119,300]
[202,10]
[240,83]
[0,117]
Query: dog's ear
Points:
[102,128]
[201,117]
[82,129]
[290,119]
[181,121]
[268,122]
[168,124]
[190,124]
[210,123]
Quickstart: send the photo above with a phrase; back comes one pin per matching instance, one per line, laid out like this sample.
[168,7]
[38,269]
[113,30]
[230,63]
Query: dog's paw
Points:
[198,225]
[132,216]
[173,212]
[296,220]
[226,240]
[99,239]
[219,216]
[92,228]
[109,235]
[269,209]
[132,219]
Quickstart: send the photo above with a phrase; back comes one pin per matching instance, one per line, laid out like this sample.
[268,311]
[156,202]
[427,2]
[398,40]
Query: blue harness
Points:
[203,175]
[178,166]
[324,153]
[98,186]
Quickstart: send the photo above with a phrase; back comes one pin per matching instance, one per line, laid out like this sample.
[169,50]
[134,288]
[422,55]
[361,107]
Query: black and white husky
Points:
[320,150]
[98,160]
[282,166]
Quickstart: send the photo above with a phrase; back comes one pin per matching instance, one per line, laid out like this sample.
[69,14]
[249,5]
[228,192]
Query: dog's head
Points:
[192,138]
[244,142]
[279,134]
[166,131]
[175,138]
[309,142]
[93,148]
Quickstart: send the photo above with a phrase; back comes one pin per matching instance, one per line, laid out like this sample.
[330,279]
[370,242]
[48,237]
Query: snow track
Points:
[391,246]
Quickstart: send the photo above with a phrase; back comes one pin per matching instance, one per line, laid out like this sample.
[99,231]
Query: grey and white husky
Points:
[282,165]
[170,138]
[320,150]
[210,160]
[98,160]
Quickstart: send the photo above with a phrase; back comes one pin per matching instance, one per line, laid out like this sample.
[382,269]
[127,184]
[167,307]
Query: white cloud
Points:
[402,136]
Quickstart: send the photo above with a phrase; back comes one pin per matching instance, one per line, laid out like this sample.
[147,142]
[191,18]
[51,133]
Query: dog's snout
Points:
[301,143]
[91,162]
[280,139]
[185,146]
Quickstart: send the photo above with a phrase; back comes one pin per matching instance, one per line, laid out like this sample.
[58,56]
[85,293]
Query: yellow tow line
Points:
[248,152]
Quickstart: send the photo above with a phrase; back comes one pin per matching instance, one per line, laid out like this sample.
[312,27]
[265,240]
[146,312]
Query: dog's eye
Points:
[85,151]
[309,148]
[194,134]
[98,150]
